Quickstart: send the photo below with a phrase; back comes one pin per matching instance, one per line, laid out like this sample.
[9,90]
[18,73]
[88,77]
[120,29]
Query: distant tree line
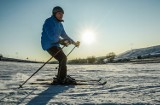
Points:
[1,56]
[94,60]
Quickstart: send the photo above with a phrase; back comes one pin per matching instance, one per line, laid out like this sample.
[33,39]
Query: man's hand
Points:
[64,42]
[77,44]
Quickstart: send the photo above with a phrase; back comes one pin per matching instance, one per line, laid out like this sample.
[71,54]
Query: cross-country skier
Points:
[52,33]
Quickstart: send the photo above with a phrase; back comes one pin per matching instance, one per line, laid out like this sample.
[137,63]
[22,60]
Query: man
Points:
[50,40]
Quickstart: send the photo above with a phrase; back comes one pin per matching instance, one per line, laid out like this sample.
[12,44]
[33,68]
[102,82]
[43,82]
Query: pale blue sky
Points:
[119,25]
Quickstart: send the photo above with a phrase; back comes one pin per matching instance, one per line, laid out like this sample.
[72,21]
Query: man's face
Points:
[59,15]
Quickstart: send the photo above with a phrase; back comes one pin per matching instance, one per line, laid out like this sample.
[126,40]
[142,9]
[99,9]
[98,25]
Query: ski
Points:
[84,82]
[78,83]
[96,80]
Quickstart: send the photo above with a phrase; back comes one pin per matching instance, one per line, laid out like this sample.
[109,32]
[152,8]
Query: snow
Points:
[126,84]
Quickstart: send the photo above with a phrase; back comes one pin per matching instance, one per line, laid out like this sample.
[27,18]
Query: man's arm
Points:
[65,36]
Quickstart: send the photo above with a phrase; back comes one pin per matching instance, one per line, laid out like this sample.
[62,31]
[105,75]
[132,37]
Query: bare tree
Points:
[110,56]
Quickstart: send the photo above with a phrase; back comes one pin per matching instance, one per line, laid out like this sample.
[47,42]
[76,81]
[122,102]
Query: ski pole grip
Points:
[77,43]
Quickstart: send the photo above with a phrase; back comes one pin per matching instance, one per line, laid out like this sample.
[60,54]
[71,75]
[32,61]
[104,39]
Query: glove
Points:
[76,43]
[64,42]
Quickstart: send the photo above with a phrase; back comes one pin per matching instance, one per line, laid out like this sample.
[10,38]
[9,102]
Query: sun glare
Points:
[88,37]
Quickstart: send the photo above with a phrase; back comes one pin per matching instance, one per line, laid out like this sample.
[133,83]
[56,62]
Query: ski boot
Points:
[69,80]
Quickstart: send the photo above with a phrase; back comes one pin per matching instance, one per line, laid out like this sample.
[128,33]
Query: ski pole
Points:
[20,86]
[71,51]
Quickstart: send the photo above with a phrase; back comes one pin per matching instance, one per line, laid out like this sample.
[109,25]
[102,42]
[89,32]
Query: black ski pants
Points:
[62,59]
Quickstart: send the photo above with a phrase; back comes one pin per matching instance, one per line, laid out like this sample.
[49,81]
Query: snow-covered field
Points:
[126,84]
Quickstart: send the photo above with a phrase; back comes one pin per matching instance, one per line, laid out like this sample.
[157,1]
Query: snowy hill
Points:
[143,52]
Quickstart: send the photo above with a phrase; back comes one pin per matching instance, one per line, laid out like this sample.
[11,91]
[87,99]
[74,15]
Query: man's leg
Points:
[61,57]
[62,71]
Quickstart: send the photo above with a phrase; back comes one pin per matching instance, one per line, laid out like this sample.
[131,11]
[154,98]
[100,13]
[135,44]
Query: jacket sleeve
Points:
[49,30]
[65,36]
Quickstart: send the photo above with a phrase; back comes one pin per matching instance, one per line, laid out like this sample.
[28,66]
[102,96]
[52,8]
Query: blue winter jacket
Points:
[51,33]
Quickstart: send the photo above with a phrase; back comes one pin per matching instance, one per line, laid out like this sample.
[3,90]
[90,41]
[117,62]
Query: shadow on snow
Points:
[45,96]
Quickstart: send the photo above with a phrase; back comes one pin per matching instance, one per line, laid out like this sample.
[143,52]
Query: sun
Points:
[88,37]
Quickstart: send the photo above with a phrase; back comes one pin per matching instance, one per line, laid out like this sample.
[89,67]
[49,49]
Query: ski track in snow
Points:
[126,84]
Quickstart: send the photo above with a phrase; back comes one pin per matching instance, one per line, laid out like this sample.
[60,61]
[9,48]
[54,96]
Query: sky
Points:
[116,26]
